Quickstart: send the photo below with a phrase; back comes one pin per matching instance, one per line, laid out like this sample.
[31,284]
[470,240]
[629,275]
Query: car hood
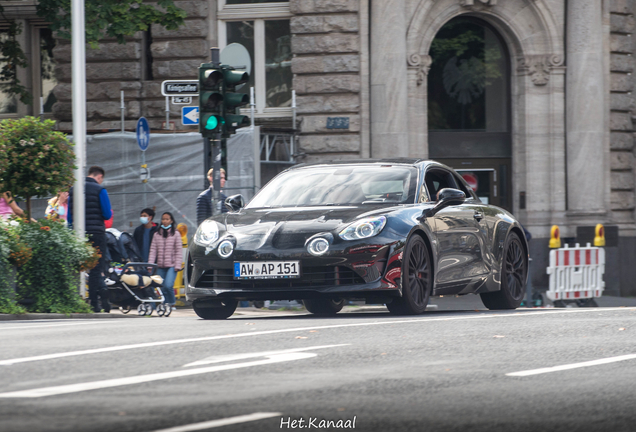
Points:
[286,228]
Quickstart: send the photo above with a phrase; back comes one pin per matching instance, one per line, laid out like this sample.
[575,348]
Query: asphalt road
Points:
[446,370]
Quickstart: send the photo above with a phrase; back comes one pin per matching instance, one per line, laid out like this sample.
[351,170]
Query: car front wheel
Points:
[417,279]
[218,310]
[514,273]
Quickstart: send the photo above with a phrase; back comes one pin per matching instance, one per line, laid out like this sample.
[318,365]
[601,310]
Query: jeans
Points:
[97,289]
[168,274]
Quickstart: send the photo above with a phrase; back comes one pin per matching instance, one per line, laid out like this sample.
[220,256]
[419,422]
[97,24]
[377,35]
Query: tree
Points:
[104,18]
[39,160]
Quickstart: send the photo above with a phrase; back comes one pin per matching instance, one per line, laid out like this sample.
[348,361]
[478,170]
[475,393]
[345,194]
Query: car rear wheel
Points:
[324,307]
[218,310]
[417,279]
[514,273]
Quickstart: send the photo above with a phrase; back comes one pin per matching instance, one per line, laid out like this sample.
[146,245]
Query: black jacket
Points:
[204,205]
[138,235]
[94,219]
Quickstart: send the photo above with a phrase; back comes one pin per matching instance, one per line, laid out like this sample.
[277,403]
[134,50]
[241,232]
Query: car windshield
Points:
[339,185]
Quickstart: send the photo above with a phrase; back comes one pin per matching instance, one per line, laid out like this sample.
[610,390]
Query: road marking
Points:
[573,365]
[221,422]
[234,357]
[298,329]
[54,325]
[118,382]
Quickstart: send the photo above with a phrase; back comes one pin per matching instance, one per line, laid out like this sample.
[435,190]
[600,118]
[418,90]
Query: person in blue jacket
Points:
[97,210]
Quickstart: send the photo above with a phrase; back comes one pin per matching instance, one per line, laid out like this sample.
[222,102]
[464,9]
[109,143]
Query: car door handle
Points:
[478,216]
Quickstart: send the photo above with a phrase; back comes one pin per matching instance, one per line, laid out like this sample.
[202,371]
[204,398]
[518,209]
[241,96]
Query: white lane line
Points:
[297,329]
[118,382]
[573,365]
[221,422]
[53,325]
[244,356]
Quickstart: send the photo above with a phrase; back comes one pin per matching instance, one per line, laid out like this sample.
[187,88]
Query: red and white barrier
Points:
[576,273]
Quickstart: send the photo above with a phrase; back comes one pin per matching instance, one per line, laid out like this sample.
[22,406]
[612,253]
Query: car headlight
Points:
[364,228]
[225,249]
[207,233]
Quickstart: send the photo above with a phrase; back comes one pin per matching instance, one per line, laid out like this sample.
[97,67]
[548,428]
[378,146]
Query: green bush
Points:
[9,243]
[51,277]
[37,160]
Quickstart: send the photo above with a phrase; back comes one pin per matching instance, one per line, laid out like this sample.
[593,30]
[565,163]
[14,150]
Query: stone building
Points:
[531,99]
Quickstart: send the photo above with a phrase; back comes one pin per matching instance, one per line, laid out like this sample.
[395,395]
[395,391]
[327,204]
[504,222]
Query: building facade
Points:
[530,99]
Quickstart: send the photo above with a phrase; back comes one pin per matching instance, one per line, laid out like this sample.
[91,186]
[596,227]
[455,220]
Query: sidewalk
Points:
[445,303]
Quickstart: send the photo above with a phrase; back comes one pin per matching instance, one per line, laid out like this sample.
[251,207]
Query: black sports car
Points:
[388,231]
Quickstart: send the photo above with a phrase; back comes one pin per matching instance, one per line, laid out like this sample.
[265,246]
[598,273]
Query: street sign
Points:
[182,100]
[180,88]
[143,134]
[189,116]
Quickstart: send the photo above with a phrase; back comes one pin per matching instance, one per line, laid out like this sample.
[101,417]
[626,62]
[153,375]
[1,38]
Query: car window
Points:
[339,185]
[436,180]
[461,185]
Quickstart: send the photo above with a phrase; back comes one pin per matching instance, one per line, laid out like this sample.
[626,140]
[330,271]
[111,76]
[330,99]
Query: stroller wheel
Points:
[161,310]
[168,310]
[125,310]
[148,308]
[141,309]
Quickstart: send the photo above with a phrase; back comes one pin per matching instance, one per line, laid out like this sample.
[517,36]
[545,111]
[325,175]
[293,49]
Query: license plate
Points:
[266,269]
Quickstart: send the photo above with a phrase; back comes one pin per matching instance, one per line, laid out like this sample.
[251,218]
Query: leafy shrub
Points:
[7,241]
[50,277]
[38,161]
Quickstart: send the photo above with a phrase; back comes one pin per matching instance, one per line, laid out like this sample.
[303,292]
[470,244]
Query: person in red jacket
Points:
[166,251]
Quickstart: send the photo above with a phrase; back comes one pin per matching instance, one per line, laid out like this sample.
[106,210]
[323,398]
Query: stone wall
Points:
[137,68]
[326,66]
[623,111]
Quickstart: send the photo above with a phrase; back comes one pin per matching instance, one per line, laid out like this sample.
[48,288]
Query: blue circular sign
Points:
[143,133]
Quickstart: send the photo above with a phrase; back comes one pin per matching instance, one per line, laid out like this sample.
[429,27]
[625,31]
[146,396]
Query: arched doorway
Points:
[469,119]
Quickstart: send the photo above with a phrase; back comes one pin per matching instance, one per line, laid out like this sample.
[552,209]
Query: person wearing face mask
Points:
[166,251]
[144,233]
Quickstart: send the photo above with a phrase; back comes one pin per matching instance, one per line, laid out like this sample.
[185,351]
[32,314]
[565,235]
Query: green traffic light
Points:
[212,123]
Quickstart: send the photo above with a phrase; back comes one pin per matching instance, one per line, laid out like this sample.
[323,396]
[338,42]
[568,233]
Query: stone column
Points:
[586,184]
[389,99]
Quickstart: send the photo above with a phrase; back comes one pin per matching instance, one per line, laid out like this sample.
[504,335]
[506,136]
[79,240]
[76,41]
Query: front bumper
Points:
[346,271]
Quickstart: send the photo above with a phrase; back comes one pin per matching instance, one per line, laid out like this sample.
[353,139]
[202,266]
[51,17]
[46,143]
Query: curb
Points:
[42,316]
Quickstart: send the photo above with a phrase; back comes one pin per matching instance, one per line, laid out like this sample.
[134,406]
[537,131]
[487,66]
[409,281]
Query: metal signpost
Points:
[143,140]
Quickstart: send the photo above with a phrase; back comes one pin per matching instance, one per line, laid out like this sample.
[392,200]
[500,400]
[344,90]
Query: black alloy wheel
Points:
[217,310]
[417,279]
[324,307]
[514,273]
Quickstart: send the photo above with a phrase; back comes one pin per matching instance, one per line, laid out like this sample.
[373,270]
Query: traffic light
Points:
[233,100]
[211,106]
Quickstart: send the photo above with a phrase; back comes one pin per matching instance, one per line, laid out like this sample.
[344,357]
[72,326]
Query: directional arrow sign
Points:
[189,116]
[180,88]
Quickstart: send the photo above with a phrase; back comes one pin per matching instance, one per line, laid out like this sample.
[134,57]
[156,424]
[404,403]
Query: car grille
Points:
[312,277]
[290,241]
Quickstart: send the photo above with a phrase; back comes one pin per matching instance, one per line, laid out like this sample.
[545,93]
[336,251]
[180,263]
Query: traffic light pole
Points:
[215,56]
[216,176]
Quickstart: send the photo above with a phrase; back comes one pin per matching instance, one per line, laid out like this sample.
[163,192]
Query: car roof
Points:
[419,163]
[392,161]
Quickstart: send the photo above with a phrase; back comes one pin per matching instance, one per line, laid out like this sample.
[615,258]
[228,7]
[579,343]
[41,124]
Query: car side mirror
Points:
[446,197]
[234,202]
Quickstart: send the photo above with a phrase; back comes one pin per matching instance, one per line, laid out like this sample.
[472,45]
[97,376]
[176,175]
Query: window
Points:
[8,103]
[47,78]
[467,83]
[262,27]
[38,78]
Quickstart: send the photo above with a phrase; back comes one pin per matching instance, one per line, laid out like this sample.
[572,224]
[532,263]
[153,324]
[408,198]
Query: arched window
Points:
[468,80]
[469,106]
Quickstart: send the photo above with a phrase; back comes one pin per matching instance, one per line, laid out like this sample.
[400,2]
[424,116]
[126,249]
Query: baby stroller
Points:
[132,283]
